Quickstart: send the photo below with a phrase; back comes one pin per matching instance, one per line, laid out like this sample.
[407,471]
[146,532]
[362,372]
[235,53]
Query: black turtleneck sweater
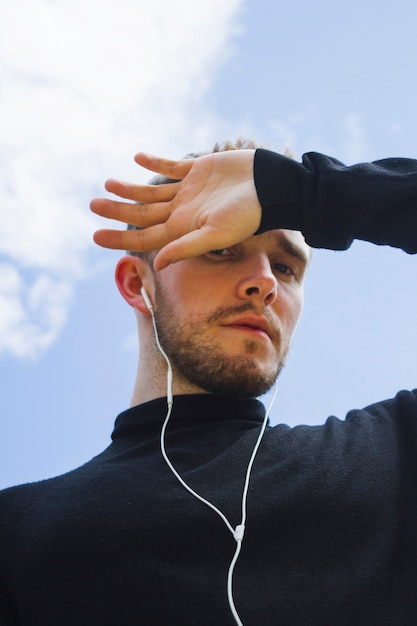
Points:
[331,527]
[331,533]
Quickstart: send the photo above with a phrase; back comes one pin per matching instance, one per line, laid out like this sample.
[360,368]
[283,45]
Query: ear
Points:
[132,273]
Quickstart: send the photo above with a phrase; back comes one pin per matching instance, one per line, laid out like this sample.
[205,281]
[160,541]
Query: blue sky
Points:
[84,87]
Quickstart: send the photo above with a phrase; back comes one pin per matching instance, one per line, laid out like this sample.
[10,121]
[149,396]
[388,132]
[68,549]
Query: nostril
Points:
[251,290]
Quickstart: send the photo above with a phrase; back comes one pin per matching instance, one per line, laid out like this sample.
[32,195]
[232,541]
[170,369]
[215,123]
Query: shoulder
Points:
[20,502]
[24,505]
[381,431]
[368,458]
[396,415]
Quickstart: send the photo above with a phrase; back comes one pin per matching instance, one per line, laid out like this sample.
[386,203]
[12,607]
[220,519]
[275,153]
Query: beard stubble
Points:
[203,362]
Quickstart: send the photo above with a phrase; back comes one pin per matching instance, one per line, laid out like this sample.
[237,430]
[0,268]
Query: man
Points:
[200,303]
[191,516]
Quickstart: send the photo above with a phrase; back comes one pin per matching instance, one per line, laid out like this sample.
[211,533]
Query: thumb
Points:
[192,244]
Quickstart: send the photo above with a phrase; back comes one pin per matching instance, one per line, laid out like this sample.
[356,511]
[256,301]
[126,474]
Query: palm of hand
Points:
[214,205]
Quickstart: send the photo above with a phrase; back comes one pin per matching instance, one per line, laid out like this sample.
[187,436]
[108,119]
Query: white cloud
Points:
[84,86]
[30,317]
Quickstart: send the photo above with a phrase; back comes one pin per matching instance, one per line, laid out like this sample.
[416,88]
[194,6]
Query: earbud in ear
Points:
[146,298]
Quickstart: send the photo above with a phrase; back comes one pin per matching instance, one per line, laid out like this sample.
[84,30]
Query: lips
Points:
[251,323]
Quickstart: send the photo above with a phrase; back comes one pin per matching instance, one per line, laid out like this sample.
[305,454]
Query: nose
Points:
[258,283]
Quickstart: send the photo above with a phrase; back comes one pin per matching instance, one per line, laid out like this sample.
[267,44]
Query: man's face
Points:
[226,318]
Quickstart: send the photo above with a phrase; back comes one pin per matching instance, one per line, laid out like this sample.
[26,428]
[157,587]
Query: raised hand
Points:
[214,206]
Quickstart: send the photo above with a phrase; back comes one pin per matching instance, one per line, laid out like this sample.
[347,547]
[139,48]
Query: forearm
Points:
[333,204]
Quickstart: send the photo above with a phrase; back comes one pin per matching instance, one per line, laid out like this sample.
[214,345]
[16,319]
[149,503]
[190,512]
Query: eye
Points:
[282,268]
[221,252]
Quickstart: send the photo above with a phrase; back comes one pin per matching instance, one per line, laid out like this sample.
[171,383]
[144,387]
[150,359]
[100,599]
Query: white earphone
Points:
[238,532]
[147,299]
[161,350]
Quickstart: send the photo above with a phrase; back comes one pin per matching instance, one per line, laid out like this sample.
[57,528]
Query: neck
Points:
[151,379]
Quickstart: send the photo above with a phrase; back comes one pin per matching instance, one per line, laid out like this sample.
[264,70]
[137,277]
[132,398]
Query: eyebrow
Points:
[293,249]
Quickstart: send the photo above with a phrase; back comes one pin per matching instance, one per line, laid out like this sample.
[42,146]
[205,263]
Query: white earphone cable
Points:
[238,532]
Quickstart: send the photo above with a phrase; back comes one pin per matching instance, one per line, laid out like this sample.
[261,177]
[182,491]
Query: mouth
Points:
[250,324]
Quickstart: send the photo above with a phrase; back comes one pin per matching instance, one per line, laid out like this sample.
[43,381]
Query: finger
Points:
[142,193]
[194,243]
[176,170]
[141,215]
[132,240]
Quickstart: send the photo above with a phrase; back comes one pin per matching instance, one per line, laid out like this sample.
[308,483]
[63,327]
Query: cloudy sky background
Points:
[85,85]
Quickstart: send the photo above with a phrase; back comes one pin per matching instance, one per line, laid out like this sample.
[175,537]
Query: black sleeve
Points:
[333,204]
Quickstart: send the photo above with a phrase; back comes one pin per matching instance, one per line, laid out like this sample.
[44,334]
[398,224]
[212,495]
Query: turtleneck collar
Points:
[192,409]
